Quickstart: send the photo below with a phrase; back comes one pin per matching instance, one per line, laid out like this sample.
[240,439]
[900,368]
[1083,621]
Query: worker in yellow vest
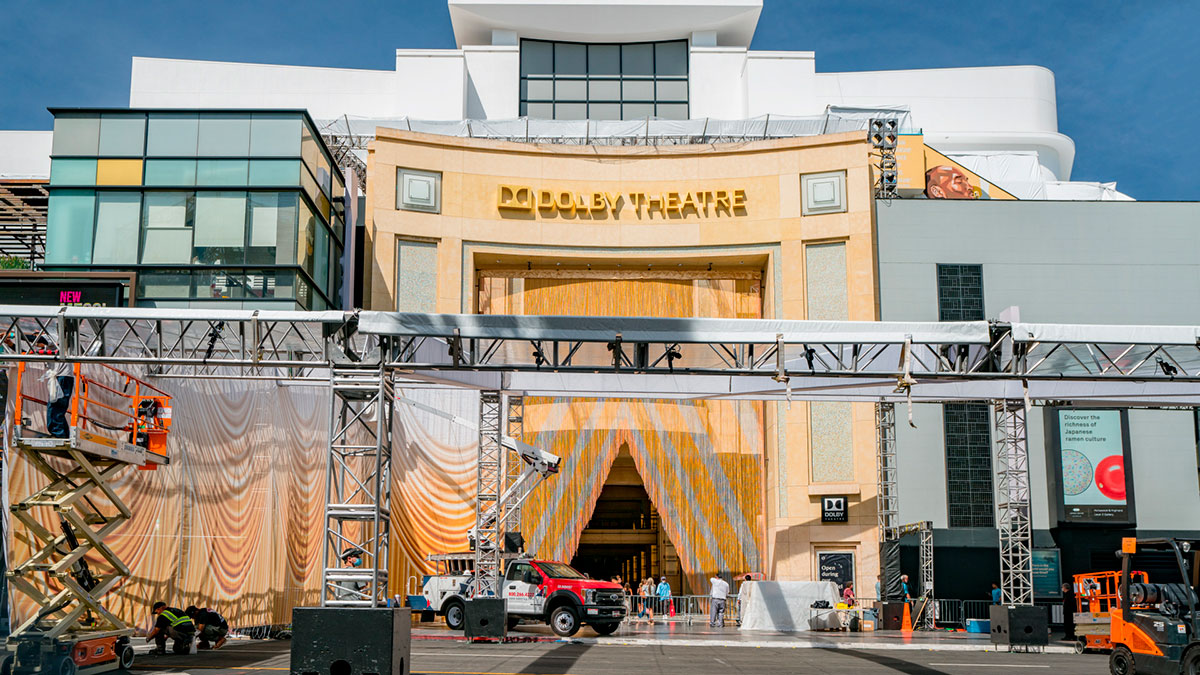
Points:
[174,623]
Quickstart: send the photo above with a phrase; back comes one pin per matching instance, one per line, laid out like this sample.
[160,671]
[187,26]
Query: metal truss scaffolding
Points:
[358,486]
[885,455]
[1016,528]
[488,486]
[514,466]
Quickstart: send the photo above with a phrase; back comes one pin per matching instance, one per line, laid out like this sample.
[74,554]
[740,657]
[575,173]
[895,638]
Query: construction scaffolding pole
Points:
[488,488]
[887,501]
[1013,517]
[514,466]
[358,486]
[926,557]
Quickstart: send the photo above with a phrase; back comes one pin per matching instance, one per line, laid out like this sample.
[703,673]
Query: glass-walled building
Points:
[209,208]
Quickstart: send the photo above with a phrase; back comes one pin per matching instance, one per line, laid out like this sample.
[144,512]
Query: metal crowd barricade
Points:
[689,609]
[976,609]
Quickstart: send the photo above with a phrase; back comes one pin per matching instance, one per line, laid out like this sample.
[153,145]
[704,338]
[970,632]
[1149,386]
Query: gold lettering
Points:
[582,203]
[688,201]
[739,199]
[671,202]
[545,200]
[636,198]
[565,203]
[614,202]
[654,202]
[722,198]
[598,203]
[517,198]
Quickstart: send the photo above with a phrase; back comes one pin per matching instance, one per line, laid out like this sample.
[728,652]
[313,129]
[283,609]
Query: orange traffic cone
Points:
[906,625]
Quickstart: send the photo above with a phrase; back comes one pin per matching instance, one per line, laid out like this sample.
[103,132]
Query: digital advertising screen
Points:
[1088,449]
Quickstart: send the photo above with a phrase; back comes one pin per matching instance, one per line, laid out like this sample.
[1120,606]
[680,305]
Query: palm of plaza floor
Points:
[615,656]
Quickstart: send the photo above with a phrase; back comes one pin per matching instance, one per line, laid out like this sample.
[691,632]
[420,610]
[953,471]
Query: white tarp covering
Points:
[1102,334]
[834,120]
[1084,191]
[1018,173]
[782,605]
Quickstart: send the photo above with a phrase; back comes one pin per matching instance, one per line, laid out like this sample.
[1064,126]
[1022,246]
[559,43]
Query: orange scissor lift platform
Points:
[114,421]
[1096,595]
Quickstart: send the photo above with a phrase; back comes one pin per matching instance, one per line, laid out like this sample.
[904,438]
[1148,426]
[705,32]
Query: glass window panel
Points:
[637,59]
[76,134]
[219,284]
[262,284]
[119,172]
[637,111]
[118,215]
[673,111]
[220,227]
[321,259]
[570,111]
[672,90]
[171,172]
[540,89]
[570,90]
[604,111]
[275,135]
[670,58]
[223,172]
[524,109]
[272,228]
[69,227]
[604,90]
[224,134]
[639,90]
[305,238]
[73,172]
[537,57]
[122,134]
[540,111]
[570,59]
[604,59]
[274,172]
[169,210]
[164,284]
[172,134]
[167,246]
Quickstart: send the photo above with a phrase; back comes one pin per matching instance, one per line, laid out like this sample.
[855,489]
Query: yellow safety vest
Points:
[176,620]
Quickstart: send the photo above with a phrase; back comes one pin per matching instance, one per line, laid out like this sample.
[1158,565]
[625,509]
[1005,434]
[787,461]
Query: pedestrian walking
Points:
[645,598]
[879,588]
[904,587]
[718,592]
[1069,607]
[996,594]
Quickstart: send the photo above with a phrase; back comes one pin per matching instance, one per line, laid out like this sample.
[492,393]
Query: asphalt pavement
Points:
[449,657]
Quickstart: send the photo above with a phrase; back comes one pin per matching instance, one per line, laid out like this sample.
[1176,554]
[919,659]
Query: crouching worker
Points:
[211,627]
[171,623]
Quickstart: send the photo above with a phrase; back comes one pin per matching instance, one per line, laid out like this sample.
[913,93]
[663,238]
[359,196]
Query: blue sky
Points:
[1126,71]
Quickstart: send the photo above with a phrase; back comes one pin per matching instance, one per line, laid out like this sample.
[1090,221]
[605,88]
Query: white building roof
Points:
[733,21]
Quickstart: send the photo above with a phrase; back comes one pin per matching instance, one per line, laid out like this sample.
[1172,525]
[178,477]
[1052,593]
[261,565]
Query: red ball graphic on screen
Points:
[1110,477]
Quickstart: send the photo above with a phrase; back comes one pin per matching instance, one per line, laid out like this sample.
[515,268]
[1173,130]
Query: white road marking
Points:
[989,665]
[986,665]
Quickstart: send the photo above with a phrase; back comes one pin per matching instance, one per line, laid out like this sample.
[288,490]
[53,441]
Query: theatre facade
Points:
[769,229]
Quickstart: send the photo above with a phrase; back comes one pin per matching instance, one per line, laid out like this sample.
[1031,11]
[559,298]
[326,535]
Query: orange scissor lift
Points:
[1096,596]
[115,421]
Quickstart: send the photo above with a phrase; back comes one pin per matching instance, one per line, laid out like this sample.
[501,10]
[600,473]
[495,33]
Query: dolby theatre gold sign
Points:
[569,204]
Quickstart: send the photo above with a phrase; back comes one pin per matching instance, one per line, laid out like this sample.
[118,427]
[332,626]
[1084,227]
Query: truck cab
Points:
[538,590]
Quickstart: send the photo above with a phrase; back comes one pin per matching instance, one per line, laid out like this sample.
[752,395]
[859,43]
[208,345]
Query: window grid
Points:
[600,107]
[960,292]
[970,500]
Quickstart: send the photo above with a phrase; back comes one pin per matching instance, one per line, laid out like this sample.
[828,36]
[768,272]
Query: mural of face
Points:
[948,182]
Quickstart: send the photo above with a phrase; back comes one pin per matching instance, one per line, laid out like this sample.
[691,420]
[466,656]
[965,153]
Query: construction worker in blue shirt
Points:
[174,623]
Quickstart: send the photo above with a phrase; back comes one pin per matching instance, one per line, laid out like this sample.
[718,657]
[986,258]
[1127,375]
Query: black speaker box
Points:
[350,641]
[513,542]
[486,618]
[891,615]
[1021,625]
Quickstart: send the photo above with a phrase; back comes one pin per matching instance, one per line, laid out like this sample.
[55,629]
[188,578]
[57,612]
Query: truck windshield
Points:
[560,571]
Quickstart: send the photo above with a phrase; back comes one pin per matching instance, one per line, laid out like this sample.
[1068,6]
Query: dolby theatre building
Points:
[590,158]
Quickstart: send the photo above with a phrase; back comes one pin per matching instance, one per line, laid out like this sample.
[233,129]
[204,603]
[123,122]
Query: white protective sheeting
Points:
[670,331]
[782,605]
[1102,334]
[835,120]
[1018,173]
[1083,191]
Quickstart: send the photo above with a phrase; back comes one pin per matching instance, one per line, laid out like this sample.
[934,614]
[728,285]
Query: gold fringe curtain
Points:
[701,462]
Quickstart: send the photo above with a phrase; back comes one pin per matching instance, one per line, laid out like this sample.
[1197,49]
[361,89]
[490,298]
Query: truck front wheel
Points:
[564,621]
[456,616]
